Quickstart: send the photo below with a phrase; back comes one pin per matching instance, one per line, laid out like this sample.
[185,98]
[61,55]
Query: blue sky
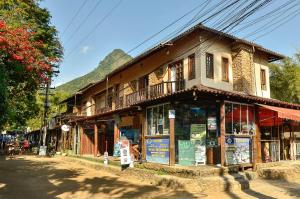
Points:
[131,23]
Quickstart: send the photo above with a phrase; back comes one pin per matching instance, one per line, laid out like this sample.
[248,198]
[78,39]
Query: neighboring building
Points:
[202,97]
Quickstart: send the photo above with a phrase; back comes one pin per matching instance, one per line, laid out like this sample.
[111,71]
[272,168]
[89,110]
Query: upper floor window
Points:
[225,69]
[263,81]
[192,68]
[209,65]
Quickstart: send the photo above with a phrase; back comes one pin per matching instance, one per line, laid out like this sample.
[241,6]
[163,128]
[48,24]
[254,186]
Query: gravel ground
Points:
[35,177]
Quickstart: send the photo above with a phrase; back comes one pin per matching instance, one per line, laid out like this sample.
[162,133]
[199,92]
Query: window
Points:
[209,65]
[225,69]
[192,68]
[239,119]
[158,120]
[263,79]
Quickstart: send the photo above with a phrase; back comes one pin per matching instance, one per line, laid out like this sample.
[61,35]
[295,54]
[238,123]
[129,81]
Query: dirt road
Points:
[31,177]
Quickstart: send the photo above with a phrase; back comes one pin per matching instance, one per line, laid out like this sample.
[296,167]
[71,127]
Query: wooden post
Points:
[81,139]
[222,135]
[104,138]
[172,142]
[116,133]
[256,143]
[96,141]
[144,132]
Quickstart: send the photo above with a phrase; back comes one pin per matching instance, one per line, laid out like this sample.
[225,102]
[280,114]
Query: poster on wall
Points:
[198,137]
[198,132]
[130,134]
[243,152]
[212,123]
[238,150]
[186,153]
[125,152]
[200,152]
[157,150]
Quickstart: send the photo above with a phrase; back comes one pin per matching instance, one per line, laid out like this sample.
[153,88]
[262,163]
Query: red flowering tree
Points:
[23,67]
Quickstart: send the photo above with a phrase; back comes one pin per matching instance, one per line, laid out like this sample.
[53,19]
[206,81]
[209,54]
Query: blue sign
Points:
[158,150]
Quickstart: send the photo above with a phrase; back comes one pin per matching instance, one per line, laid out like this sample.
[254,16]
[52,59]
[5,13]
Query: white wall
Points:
[260,63]
[219,50]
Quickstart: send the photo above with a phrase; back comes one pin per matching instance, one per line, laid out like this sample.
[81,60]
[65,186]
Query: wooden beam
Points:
[222,135]
[96,140]
[116,133]
[172,142]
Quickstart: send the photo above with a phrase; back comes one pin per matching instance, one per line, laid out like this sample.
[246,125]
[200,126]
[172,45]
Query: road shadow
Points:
[21,178]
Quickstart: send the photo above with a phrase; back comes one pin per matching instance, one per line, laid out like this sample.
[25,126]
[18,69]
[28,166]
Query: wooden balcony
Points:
[136,97]
[103,110]
[150,93]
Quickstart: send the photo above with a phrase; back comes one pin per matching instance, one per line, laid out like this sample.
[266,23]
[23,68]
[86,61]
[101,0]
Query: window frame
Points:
[226,79]
[151,108]
[209,65]
[263,79]
[191,67]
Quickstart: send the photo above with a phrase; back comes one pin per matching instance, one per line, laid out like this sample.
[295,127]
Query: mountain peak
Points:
[112,61]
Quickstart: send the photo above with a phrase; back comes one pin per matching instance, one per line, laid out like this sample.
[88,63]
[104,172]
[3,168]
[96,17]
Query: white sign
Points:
[43,150]
[65,127]
[171,114]
[125,153]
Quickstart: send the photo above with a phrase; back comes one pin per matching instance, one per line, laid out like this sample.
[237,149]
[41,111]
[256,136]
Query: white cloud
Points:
[84,49]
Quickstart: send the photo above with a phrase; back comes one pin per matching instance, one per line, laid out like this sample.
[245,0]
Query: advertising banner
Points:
[158,150]
[198,137]
[238,150]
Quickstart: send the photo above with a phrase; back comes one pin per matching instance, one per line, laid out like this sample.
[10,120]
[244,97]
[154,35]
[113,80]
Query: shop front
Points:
[239,133]
[196,132]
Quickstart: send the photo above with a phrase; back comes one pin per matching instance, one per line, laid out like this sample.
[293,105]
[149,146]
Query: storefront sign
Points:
[157,150]
[125,152]
[186,152]
[212,123]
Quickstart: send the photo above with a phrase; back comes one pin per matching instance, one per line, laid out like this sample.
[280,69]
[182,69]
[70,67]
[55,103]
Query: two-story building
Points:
[201,98]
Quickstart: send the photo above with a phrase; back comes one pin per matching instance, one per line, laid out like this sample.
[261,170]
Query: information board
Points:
[186,152]
[158,150]
[125,152]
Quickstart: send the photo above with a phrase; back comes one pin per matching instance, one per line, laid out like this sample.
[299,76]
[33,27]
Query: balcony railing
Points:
[150,92]
[103,110]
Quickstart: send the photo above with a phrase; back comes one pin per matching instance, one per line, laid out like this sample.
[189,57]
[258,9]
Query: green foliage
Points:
[285,79]
[55,108]
[108,64]
[18,87]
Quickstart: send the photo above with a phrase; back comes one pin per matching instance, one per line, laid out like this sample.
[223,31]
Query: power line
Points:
[83,21]
[96,27]
[75,16]
[287,18]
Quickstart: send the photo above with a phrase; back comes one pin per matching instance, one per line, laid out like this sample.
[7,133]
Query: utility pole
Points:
[46,107]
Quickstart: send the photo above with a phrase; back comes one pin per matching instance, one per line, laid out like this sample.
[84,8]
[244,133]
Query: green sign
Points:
[198,132]
[186,152]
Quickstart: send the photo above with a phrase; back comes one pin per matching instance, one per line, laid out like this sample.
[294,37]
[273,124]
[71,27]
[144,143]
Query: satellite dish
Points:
[65,127]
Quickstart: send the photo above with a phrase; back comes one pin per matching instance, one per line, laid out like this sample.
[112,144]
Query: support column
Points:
[116,133]
[256,143]
[81,140]
[144,133]
[172,142]
[96,141]
[222,135]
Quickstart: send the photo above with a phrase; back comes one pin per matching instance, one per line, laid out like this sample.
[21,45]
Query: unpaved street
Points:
[31,177]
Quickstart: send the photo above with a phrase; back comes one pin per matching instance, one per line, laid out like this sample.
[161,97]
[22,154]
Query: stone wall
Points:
[243,69]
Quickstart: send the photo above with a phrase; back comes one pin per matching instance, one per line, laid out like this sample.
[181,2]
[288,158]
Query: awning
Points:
[284,113]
